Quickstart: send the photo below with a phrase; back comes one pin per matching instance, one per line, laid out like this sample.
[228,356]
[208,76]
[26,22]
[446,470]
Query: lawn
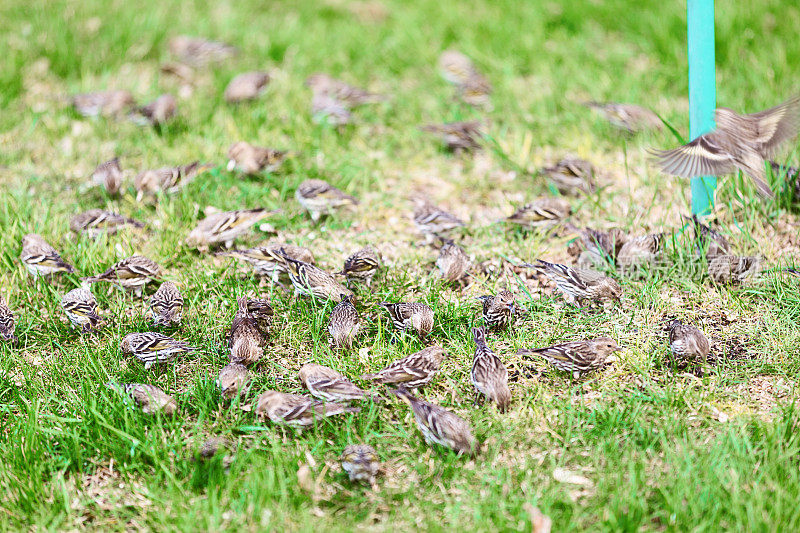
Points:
[639,445]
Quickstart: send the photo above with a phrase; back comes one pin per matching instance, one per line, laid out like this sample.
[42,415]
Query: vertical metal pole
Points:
[702,90]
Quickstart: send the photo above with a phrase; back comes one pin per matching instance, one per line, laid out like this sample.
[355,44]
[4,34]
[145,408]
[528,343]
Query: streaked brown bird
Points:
[498,310]
[362,265]
[453,262]
[733,269]
[710,242]
[641,250]
[157,112]
[319,198]
[149,398]
[597,248]
[95,222]
[433,221]
[361,463]
[166,305]
[198,51]
[412,371]
[688,343]
[411,316]
[310,280]
[105,103]
[7,322]
[108,175]
[233,380]
[489,375]
[544,212]
[132,273]
[458,136]
[476,91]
[577,357]
[743,142]
[246,86]
[440,426]
[267,260]
[251,159]
[225,227]
[329,385]
[348,95]
[245,338]
[80,307]
[571,175]
[262,312]
[344,324]
[631,118]
[151,348]
[166,179]
[455,67]
[578,284]
[326,109]
[40,258]
[297,410]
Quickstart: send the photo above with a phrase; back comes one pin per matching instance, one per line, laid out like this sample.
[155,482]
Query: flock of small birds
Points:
[740,142]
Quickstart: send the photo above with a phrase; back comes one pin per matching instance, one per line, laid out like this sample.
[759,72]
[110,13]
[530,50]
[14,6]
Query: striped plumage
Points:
[246,339]
[157,112]
[440,426]
[108,175]
[350,96]
[313,281]
[233,380]
[709,241]
[431,220]
[267,260]
[596,248]
[166,179]
[105,103]
[688,343]
[329,385]
[458,69]
[733,269]
[132,273]
[362,264]
[577,357]
[577,284]
[149,398]
[458,136]
[541,213]
[225,227]
[297,410]
[151,348]
[498,310]
[250,159]
[361,463]
[453,262]
[476,91]
[246,86]
[166,305]
[95,222]
[344,324]
[262,312]
[631,118]
[198,51]
[640,250]
[412,371]
[413,316]
[571,175]
[7,322]
[489,375]
[40,258]
[319,198]
[80,307]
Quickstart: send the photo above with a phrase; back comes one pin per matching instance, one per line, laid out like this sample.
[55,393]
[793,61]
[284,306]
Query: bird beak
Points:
[231,165]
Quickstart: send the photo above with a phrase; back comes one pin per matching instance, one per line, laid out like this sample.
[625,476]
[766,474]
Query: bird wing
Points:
[701,157]
[775,125]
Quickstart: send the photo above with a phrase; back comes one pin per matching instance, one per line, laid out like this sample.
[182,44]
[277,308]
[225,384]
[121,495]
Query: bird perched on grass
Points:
[543,212]
[251,159]
[577,357]
[476,91]
[433,221]
[105,103]
[310,280]
[489,375]
[413,316]
[596,248]
[108,175]
[344,324]
[630,118]
[326,109]
[733,269]
[246,86]
[578,284]
[7,322]
[329,385]
[458,69]
[149,398]
[157,112]
[297,410]
[412,371]
[361,463]
[710,241]
[571,175]
[498,310]
[440,426]
[132,273]
[453,262]
[260,309]
[458,136]
[225,227]
[233,380]
[742,142]
[687,343]
[166,179]
[95,222]
[166,305]
[350,96]
[245,338]
[80,307]
[267,260]
[641,250]
[362,265]
[151,348]
[319,198]
[198,51]
[40,258]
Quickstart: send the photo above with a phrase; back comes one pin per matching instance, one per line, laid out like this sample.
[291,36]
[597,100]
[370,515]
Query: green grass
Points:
[73,455]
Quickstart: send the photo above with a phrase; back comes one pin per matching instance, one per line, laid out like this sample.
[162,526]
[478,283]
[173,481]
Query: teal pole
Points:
[702,90]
